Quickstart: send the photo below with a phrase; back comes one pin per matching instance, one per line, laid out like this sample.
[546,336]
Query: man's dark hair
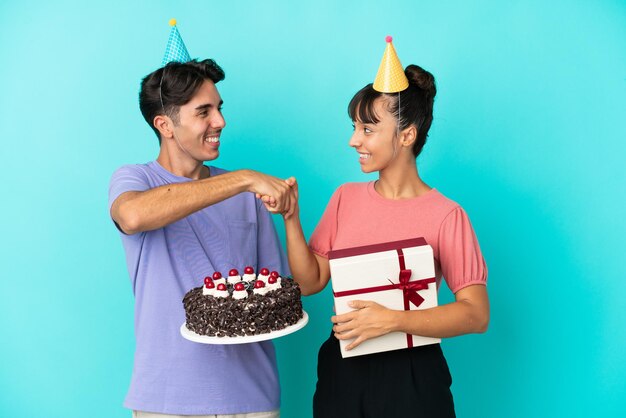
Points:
[165,90]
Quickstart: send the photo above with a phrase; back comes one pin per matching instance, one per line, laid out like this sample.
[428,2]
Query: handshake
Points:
[278,195]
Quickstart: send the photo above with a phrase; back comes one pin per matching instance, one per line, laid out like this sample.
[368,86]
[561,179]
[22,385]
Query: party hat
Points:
[390,77]
[175,49]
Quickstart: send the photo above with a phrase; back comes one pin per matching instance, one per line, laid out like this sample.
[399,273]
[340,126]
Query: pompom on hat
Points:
[390,77]
[175,51]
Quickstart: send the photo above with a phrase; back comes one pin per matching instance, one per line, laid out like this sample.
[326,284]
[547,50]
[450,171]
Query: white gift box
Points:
[399,275]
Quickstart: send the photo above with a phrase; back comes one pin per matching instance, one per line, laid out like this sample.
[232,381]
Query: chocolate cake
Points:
[242,305]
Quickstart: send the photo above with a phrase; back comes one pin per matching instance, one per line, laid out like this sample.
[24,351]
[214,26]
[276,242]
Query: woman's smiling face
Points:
[375,142]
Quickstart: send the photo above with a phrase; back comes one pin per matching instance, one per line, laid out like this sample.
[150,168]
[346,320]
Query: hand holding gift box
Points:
[398,275]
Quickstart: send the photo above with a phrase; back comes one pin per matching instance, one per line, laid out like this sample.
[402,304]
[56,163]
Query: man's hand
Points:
[274,192]
[292,197]
[368,320]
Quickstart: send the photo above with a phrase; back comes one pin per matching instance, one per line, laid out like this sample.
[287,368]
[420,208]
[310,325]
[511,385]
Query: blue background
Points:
[528,136]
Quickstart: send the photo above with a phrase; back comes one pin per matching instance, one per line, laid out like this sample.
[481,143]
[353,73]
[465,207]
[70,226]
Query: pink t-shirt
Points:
[357,215]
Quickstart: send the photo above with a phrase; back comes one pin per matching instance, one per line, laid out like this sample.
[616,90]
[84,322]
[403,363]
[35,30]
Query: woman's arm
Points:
[310,270]
[469,313]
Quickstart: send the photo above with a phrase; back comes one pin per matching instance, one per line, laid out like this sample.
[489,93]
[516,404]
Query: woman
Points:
[390,130]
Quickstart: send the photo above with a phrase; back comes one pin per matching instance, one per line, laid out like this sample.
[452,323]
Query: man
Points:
[181,220]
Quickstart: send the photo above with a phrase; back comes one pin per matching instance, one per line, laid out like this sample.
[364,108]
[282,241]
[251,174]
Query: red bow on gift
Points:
[410,289]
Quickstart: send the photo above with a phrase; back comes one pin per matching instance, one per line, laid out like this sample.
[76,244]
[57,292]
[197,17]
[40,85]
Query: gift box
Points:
[399,275]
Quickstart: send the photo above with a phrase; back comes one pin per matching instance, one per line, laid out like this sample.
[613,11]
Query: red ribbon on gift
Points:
[409,289]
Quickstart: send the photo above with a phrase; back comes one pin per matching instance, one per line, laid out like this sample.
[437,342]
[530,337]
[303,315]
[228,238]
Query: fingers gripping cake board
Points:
[242,308]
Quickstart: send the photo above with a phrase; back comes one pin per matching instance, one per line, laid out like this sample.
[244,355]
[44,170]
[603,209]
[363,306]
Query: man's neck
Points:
[183,167]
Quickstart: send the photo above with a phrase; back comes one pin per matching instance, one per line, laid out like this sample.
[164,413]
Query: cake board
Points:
[205,339]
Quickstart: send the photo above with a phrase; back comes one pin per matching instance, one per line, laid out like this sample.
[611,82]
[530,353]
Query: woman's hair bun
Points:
[421,78]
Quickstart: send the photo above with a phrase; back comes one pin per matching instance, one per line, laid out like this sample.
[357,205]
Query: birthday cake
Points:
[243,305]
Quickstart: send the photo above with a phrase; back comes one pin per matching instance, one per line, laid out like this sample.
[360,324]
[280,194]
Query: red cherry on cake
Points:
[272,280]
[207,279]
[265,271]
[259,284]
[248,270]
[274,274]
[217,275]
[221,286]
[239,286]
[233,272]
[209,284]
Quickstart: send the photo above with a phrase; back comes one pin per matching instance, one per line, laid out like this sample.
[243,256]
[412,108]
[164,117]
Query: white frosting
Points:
[274,286]
[240,294]
[208,292]
[218,281]
[260,290]
[234,279]
[221,293]
[249,277]
[264,277]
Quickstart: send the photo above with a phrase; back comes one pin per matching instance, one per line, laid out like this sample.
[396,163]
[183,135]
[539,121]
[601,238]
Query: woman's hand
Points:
[294,208]
[275,192]
[368,320]
[291,208]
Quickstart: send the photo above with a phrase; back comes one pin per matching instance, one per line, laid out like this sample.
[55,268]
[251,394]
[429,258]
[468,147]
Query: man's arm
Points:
[155,208]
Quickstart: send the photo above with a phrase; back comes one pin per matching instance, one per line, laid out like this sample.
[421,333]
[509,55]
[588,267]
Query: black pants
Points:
[414,382]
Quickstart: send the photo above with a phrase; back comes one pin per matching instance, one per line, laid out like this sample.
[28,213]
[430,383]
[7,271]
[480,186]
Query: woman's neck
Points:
[401,181]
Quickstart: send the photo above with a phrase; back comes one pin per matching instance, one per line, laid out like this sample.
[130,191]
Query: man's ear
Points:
[409,135]
[164,125]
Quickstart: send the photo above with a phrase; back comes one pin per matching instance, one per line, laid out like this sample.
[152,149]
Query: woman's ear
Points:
[409,135]
[164,125]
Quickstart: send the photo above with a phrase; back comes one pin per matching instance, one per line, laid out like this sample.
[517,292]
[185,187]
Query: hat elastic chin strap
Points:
[163,108]
[399,118]
[161,89]
[180,145]
[395,147]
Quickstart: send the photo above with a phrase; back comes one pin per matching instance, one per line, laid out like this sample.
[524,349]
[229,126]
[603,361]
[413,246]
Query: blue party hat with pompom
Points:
[175,49]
